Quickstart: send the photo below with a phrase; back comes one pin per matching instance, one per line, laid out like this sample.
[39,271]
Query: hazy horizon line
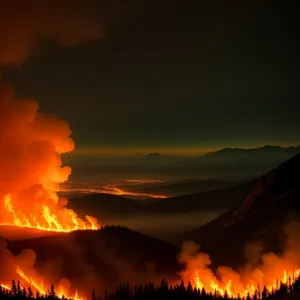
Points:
[189,152]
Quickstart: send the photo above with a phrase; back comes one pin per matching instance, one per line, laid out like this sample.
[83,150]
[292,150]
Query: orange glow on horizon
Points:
[112,190]
[193,150]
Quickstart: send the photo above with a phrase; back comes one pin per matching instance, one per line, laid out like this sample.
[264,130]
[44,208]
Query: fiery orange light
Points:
[48,221]
[113,190]
[118,191]
[265,277]
[4,286]
[235,288]
[41,289]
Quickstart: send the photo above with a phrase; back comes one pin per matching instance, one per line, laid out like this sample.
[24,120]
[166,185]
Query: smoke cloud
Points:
[10,262]
[262,269]
[31,170]
[23,24]
[31,142]
[31,166]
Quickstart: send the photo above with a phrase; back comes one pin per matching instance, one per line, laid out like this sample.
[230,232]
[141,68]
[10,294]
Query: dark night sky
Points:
[175,75]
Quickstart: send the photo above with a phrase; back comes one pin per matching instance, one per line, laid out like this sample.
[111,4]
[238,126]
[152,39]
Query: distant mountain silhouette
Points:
[273,200]
[267,155]
[224,165]
[110,256]
[237,156]
[155,155]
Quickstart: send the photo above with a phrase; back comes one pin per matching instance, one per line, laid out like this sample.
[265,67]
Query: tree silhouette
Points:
[148,291]
[94,295]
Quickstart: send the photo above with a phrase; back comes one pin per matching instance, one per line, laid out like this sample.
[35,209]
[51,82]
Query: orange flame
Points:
[6,287]
[49,221]
[235,289]
[40,286]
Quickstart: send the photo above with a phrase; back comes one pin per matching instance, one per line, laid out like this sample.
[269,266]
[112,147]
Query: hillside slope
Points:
[109,256]
[272,203]
[105,205]
[220,199]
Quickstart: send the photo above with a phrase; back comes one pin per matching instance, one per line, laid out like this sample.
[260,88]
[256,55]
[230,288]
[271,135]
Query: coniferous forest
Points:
[150,292]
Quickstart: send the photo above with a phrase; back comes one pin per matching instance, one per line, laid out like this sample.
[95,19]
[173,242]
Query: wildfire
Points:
[40,287]
[47,220]
[4,286]
[235,288]
[263,279]
[31,145]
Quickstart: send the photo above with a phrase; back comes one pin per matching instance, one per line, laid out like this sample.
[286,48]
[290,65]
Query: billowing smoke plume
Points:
[30,148]
[23,24]
[262,270]
[31,142]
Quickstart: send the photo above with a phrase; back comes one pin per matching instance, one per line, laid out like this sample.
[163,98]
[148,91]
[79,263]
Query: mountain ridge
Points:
[261,215]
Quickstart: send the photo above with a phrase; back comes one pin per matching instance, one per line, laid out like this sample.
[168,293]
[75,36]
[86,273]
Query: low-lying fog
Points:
[165,226]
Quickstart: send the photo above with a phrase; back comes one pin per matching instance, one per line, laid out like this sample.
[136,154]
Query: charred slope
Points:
[109,256]
[272,202]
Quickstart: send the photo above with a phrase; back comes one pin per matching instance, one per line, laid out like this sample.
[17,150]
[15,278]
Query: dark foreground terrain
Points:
[151,291]
[114,254]
[106,257]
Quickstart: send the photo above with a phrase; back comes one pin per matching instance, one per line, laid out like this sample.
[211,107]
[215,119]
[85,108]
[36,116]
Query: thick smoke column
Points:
[31,167]
[30,142]
[23,24]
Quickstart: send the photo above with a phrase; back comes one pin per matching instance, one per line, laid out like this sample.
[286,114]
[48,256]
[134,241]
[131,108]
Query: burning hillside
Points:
[255,281]
[251,235]
[31,142]
[31,170]
[31,167]
[30,146]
